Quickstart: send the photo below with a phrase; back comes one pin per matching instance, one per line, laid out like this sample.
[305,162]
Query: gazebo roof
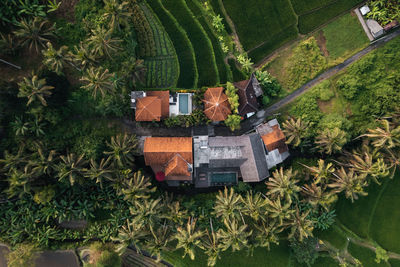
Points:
[216,104]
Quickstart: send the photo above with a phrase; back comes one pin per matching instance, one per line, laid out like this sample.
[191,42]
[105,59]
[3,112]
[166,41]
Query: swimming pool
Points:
[183,103]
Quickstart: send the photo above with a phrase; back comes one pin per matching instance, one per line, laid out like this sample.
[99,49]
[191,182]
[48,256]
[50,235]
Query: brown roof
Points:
[164,96]
[275,140]
[153,107]
[177,167]
[170,155]
[148,109]
[247,96]
[216,104]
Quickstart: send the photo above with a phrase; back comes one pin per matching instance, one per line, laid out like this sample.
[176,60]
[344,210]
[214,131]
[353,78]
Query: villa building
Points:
[157,105]
[248,91]
[217,161]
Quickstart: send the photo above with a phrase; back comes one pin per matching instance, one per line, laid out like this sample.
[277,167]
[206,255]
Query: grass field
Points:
[204,52]
[344,36]
[364,255]
[337,41]
[306,6]
[188,77]
[277,256]
[257,21]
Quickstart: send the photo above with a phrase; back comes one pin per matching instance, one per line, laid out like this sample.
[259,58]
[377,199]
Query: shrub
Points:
[381,255]
[44,195]
[307,109]
[233,97]
[305,252]
[324,90]
[332,121]
[265,101]
[270,85]
[233,122]
[349,86]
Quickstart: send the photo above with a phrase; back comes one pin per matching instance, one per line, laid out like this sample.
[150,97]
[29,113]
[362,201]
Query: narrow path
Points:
[232,25]
[363,24]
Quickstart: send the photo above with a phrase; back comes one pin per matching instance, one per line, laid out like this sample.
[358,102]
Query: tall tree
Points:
[71,167]
[99,171]
[279,212]
[189,238]
[34,33]
[283,184]
[82,56]
[254,206]
[102,42]
[137,187]
[212,246]
[98,80]
[386,136]
[54,59]
[318,195]
[295,130]
[149,211]
[323,172]
[234,235]
[117,12]
[228,205]
[35,90]
[301,227]
[351,183]
[41,162]
[130,234]
[122,150]
[331,141]
[158,241]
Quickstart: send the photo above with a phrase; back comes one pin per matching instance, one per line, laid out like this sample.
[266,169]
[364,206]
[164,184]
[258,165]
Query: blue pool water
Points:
[184,103]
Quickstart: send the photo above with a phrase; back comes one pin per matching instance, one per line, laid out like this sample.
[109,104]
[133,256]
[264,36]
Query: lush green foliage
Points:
[196,118]
[305,252]
[305,6]
[384,11]
[21,256]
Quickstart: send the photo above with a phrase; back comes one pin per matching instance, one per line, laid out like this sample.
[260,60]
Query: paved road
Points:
[249,124]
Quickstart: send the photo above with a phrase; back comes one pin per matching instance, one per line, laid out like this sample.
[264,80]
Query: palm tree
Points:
[254,206]
[349,182]
[54,59]
[18,183]
[34,33]
[317,195]
[235,235]
[301,227]
[265,234]
[283,184]
[81,56]
[158,241]
[148,211]
[37,127]
[71,167]
[331,141]
[118,13]
[367,162]
[189,238]
[122,149]
[41,163]
[295,130]
[20,127]
[34,89]
[98,81]
[103,43]
[137,187]
[212,246]
[175,213]
[228,205]
[99,171]
[387,136]
[322,173]
[134,71]
[12,161]
[130,234]
[278,212]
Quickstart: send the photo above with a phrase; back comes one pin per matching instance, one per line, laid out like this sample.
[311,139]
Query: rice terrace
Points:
[199,133]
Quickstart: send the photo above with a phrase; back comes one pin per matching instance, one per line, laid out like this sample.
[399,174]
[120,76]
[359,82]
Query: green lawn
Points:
[276,257]
[305,6]
[325,262]
[365,255]
[257,21]
[333,236]
[344,36]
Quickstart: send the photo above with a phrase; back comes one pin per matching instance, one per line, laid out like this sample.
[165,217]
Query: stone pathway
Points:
[364,25]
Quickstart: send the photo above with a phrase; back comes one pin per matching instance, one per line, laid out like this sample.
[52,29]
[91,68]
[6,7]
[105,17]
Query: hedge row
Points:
[145,34]
[257,21]
[304,6]
[223,69]
[204,52]
[188,76]
[311,21]
[273,43]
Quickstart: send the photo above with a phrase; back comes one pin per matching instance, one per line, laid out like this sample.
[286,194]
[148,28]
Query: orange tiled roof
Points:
[160,150]
[164,96]
[177,167]
[275,140]
[216,104]
[148,109]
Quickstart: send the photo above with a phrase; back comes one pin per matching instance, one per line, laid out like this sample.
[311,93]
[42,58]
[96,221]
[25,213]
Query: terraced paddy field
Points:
[263,26]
